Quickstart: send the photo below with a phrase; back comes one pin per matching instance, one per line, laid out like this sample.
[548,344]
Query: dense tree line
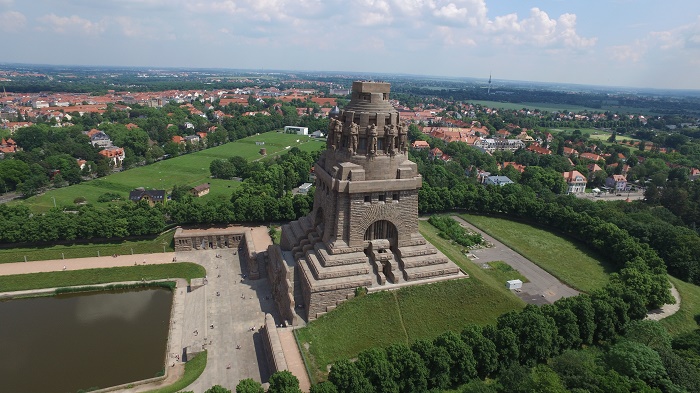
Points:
[593,343]
[19,225]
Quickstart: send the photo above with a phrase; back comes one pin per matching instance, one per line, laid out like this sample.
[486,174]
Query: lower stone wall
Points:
[280,278]
[248,250]
[273,346]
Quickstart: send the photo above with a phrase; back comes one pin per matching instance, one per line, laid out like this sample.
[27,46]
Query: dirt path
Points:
[84,263]
[667,309]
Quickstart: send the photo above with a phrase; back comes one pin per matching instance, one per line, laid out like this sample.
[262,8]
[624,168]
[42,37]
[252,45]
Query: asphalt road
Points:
[542,288]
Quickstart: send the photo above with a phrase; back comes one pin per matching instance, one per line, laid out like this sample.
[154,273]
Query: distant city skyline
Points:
[631,43]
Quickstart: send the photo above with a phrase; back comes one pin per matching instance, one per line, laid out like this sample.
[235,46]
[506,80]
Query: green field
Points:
[162,243]
[408,314]
[189,169]
[503,272]
[596,134]
[68,278]
[566,260]
[532,105]
[550,107]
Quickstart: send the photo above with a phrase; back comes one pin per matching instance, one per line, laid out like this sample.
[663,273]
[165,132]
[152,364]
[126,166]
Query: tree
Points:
[637,361]
[650,333]
[284,382]
[376,367]
[484,350]
[348,378]
[324,387]
[411,370]
[437,361]
[463,365]
[248,385]
[217,389]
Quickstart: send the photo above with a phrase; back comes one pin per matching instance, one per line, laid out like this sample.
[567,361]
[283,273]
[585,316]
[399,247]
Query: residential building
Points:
[114,154]
[152,196]
[420,145]
[617,182]
[498,181]
[576,182]
[201,190]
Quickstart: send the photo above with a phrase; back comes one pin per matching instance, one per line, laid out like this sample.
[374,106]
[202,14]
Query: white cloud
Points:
[11,21]
[74,23]
[539,30]
[681,42]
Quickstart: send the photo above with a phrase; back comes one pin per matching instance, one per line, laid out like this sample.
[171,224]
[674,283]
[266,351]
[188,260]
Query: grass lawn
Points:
[406,315]
[596,134]
[565,259]
[189,169]
[503,272]
[193,369]
[683,321]
[549,107]
[122,247]
[19,282]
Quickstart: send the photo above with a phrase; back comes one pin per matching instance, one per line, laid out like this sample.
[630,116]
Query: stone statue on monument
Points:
[354,133]
[403,130]
[372,139]
[389,139]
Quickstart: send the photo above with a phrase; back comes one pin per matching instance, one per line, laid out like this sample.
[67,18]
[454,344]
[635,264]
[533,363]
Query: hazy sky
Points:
[643,43]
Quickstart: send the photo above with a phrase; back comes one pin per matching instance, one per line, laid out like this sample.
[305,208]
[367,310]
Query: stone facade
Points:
[233,237]
[363,229]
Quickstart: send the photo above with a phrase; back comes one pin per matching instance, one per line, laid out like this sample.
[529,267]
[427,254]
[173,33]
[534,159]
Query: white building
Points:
[514,284]
[296,130]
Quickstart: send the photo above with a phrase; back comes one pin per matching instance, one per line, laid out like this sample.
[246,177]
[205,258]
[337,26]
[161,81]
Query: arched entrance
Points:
[382,229]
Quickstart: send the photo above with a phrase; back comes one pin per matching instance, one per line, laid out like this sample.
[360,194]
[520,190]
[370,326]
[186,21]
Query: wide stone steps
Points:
[414,251]
[330,260]
[324,273]
[418,261]
[423,272]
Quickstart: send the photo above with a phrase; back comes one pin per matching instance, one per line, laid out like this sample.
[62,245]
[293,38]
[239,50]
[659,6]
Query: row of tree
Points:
[19,225]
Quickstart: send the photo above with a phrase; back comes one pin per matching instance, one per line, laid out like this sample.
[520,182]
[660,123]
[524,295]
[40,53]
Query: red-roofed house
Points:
[576,182]
[178,139]
[569,152]
[114,154]
[420,145]
[539,149]
[519,167]
[591,156]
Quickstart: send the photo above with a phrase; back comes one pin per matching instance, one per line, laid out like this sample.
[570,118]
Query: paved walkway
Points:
[295,363]
[667,309]
[542,288]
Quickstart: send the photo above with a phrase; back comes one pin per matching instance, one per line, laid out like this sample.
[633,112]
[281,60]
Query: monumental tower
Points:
[363,229]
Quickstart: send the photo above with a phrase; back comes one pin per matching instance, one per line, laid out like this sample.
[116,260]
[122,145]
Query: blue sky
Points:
[637,43]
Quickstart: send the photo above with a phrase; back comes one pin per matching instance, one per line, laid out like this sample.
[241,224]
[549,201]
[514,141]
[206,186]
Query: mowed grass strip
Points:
[569,261]
[188,169]
[193,369]
[428,310]
[503,272]
[358,324]
[20,282]
[121,247]
[683,321]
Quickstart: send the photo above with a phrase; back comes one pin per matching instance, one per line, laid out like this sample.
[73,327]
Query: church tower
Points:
[363,229]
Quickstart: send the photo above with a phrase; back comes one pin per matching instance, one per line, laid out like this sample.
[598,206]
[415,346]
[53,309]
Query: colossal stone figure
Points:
[373,139]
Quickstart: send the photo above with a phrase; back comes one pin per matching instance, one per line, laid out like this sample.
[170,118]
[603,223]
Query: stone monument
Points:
[363,229]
